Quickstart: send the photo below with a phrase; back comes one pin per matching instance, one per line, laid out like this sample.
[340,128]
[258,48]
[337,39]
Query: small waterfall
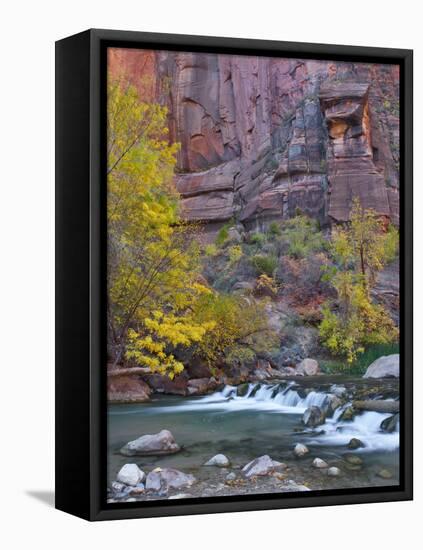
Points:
[276,396]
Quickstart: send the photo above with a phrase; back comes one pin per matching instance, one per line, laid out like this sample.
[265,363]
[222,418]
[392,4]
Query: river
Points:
[266,420]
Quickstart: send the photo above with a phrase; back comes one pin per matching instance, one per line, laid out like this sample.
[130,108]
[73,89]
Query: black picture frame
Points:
[81,267]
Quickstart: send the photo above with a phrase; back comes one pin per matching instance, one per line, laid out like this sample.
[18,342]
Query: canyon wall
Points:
[262,137]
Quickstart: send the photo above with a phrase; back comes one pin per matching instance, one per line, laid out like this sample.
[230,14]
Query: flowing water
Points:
[266,420]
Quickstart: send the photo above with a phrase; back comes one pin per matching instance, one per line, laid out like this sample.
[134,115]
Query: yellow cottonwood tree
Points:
[153,263]
[361,248]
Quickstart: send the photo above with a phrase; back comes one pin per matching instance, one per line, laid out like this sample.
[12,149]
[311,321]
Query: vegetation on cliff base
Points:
[361,249]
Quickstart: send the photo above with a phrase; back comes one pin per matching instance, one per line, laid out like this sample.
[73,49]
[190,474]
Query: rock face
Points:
[161,443]
[261,136]
[384,367]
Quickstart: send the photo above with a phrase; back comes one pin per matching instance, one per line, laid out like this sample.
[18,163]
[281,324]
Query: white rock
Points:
[300,450]
[218,460]
[130,474]
[161,443]
[384,367]
[319,463]
[333,471]
[178,496]
[261,466]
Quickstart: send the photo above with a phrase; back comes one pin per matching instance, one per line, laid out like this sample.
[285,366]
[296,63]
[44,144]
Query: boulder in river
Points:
[390,424]
[162,443]
[130,474]
[242,389]
[348,414]
[319,463]
[218,460]
[300,450]
[308,367]
[333,403]
[353,459]
[384,367]
[333,471]
[161,480]
[313,416]
[262,466]
[355,443]
[385,474]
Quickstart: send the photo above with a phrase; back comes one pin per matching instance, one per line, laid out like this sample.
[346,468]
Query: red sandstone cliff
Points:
[261,137]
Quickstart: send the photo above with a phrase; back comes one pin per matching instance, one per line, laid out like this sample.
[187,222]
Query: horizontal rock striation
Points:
[262,137]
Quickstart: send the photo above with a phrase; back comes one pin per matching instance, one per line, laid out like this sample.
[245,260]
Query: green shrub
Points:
[265,264]
[222,236]
[274,229]
[303,236]
[257,238]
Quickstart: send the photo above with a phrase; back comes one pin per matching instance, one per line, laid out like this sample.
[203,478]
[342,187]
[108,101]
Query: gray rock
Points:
[353,459]
[355,443]
[117,487]
[242,389]
[313,416]
[385,474]
[234,235]
[161,443]
[333,403]
[179,496]
[390,424]
[231,476]
[300,450]
[339,391]
[384,367]
[308,367]
[261,466]
[161,480]
[348,414]
[218,460]
[333,471]
[130,474]
[319,463]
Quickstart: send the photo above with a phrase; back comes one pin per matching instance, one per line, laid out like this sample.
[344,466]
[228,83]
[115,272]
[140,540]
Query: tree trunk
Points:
[128,370]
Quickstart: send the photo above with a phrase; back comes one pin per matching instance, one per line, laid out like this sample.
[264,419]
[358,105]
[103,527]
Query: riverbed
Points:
[266,420]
